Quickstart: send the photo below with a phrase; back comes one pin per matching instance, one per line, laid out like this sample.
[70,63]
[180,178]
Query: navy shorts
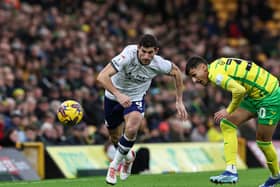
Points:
[114,112]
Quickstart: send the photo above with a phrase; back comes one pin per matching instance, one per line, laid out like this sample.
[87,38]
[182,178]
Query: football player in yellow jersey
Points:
[255,93]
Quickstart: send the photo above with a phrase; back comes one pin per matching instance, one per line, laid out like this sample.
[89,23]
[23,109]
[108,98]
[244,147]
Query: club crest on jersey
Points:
[118,60]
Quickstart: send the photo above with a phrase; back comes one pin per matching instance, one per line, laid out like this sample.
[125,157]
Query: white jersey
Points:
[132,78]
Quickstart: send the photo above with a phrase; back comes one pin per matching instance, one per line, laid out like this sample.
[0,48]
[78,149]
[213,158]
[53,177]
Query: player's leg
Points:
[133,117]
[229,129]
[264,142]
[115,134]
[127,140]
[268,118]
[114,119]
[133,122]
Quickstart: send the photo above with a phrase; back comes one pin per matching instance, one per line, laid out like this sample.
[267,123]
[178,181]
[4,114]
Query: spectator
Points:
[2,126]
[10,139]
[31,133]
[51,51]
[214,134]
[77,136]
[16,122]
[49,135]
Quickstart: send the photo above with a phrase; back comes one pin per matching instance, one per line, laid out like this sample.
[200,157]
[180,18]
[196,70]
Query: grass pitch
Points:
[247,178]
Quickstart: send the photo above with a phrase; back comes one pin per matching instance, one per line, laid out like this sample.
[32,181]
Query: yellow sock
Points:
[230,141]
[270,154]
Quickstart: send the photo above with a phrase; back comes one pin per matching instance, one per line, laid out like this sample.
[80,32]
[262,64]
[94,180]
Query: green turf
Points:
[248,178]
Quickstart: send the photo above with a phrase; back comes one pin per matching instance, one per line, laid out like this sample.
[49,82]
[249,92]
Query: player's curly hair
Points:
[148,40]
[193,62]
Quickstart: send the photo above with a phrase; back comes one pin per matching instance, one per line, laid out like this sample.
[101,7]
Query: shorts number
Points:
[139,104]
[262,112]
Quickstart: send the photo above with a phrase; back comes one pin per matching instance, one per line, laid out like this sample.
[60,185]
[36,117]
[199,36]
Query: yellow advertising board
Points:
[170,157]
[187,157]
[71,158]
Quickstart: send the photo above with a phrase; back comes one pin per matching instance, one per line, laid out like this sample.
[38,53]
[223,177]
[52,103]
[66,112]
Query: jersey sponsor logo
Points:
[219,79]
[136,77]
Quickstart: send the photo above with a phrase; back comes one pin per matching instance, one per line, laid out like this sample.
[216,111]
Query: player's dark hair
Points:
[148,40]
[193,62]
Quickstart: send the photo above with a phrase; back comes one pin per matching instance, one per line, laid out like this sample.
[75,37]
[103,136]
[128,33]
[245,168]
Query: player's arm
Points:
[117,63]
[177,75]
[104,78]
[236,89]
[237,92]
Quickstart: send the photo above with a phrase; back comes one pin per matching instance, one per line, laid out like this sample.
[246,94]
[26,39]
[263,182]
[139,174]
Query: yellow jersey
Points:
[242,78]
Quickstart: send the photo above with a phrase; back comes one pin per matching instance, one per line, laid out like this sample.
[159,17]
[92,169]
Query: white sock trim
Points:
[131,140]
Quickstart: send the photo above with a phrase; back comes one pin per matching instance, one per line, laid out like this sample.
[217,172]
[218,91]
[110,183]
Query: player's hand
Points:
[218,116]
[124,100]
[182,113]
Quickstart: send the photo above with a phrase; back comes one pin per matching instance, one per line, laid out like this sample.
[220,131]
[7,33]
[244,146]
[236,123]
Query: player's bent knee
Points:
[131,131]
[233,119]
[263,137]
[239,116]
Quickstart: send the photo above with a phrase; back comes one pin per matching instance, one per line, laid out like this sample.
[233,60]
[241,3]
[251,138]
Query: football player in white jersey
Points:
[126,80]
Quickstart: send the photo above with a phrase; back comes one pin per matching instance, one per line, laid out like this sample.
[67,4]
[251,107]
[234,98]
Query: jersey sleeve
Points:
[165,66]
[122,59]
[237,91]
[229,84]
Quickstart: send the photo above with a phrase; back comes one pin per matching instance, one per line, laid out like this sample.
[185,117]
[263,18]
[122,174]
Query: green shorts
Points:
[267,109]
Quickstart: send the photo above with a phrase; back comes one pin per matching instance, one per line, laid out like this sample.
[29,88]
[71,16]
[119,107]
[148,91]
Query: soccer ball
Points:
[70,113]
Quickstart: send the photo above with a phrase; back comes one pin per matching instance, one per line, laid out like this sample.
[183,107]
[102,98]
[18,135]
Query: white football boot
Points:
[111,177]
[127,165]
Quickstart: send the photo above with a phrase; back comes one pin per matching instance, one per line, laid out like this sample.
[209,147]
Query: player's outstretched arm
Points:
[177,74]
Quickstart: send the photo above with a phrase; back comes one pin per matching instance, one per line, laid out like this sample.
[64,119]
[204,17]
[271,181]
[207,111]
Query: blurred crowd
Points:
[51,51]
